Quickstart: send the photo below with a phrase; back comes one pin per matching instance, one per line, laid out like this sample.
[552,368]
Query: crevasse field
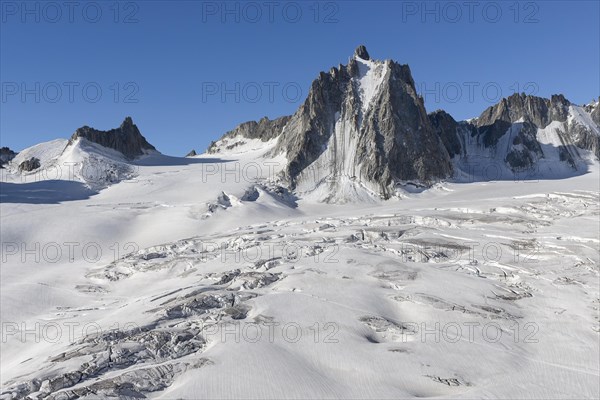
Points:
[194,278]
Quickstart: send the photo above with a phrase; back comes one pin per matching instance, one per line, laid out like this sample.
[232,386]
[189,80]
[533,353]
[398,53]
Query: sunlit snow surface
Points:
[201,278]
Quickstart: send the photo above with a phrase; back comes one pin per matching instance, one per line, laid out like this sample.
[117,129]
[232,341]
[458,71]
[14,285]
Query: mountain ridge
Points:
[364,132]
[364,125]
[126,139]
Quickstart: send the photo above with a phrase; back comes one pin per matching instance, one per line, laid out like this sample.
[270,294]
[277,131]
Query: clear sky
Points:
[188,71]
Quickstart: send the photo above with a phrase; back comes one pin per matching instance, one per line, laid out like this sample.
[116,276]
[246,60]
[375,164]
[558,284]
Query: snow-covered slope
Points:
[76,161]
[46,152]
[336,175]
[90,157]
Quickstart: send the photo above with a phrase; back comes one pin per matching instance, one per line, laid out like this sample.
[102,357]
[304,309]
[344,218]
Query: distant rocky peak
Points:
[361,52]
[126,139]
[127,124]
[520,106]
[6,154]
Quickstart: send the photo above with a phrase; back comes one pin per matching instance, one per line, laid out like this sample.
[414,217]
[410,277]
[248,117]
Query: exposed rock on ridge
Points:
[126,139]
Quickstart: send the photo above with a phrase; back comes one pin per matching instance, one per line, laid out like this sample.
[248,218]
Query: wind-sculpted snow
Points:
[448,300]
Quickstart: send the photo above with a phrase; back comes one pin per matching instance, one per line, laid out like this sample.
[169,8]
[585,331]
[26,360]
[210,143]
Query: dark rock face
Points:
[126,139]
[526,149]
[407,147]
[361,51]
[29,165]
[191,153]
[265,129]
[497,119]
[310,127]
[583,138]
[6,155]
[446,128]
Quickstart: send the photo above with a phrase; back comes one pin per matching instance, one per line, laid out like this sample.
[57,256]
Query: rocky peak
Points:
[363,123]
[364,126]
[191,153]
[6,155]
[127,124]
[361,52]
[126,139]
[536,111]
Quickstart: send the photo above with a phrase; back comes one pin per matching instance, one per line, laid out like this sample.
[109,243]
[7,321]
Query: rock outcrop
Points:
[30,165]
[265,129]
[594,110]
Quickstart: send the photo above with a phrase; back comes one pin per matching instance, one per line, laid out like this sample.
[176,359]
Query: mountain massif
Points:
[364,127]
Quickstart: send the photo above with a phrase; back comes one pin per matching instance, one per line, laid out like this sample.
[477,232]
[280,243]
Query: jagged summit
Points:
[539,110]
[523,134]
[361,52]
[127,123]
[362,126]
[126,139]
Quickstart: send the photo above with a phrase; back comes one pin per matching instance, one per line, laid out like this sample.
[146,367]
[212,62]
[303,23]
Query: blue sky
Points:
[188,71]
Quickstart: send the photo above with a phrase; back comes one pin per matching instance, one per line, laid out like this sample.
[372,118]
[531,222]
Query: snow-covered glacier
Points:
[304,258]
